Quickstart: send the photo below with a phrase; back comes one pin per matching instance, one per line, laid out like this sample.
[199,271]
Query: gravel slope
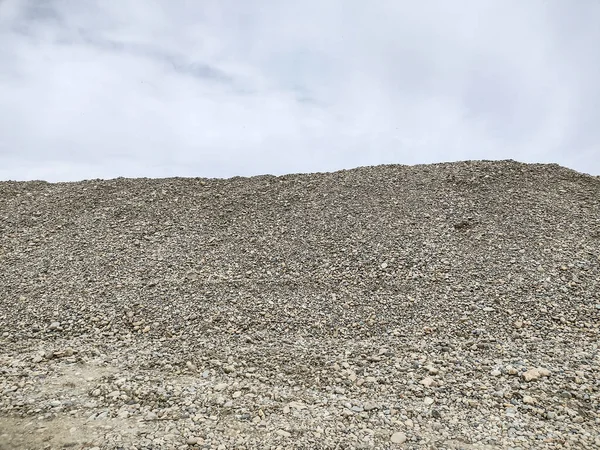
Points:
[436,306]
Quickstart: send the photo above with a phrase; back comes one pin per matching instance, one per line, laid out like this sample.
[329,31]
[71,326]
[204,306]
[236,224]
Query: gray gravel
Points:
[447,306]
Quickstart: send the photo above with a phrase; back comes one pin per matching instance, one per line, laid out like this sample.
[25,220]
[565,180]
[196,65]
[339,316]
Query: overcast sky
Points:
[218,88]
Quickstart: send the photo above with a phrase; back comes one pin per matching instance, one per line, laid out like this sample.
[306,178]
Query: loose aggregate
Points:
[445,306]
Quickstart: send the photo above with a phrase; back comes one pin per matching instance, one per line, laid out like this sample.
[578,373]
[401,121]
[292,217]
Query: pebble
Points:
[529,400]
[432,370]
[55,325]
[535,374]
[370,406]
[398,438]
[284,433]
[427,381]
[428,401]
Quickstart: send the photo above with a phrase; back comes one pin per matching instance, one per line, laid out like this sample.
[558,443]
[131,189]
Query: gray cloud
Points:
[222,87]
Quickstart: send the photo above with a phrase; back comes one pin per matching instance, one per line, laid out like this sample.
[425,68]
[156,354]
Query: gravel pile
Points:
[446,306]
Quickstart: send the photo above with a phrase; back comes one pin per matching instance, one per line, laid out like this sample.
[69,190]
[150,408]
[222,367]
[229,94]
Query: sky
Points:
[221,88]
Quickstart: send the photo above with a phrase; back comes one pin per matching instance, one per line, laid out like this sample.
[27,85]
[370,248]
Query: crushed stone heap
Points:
[452,305]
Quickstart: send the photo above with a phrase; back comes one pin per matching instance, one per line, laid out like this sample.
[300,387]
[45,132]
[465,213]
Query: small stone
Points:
[488,309]
[427,381]
[192,441]
[528,399]
[284,433]
[428,401]
[55,325]
[220,386]
[297,405]
[398,438]
[518,324]
[544,372]
[432,370]
[190,365]
[55,403]
[384,265]
[370,406]
[495,373]
[237,394]
[535,374]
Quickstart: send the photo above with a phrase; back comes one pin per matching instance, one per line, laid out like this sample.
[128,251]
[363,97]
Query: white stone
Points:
[398,438]
[427,381]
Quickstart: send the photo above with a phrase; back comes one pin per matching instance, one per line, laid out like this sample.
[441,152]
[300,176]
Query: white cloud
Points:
[222,88]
